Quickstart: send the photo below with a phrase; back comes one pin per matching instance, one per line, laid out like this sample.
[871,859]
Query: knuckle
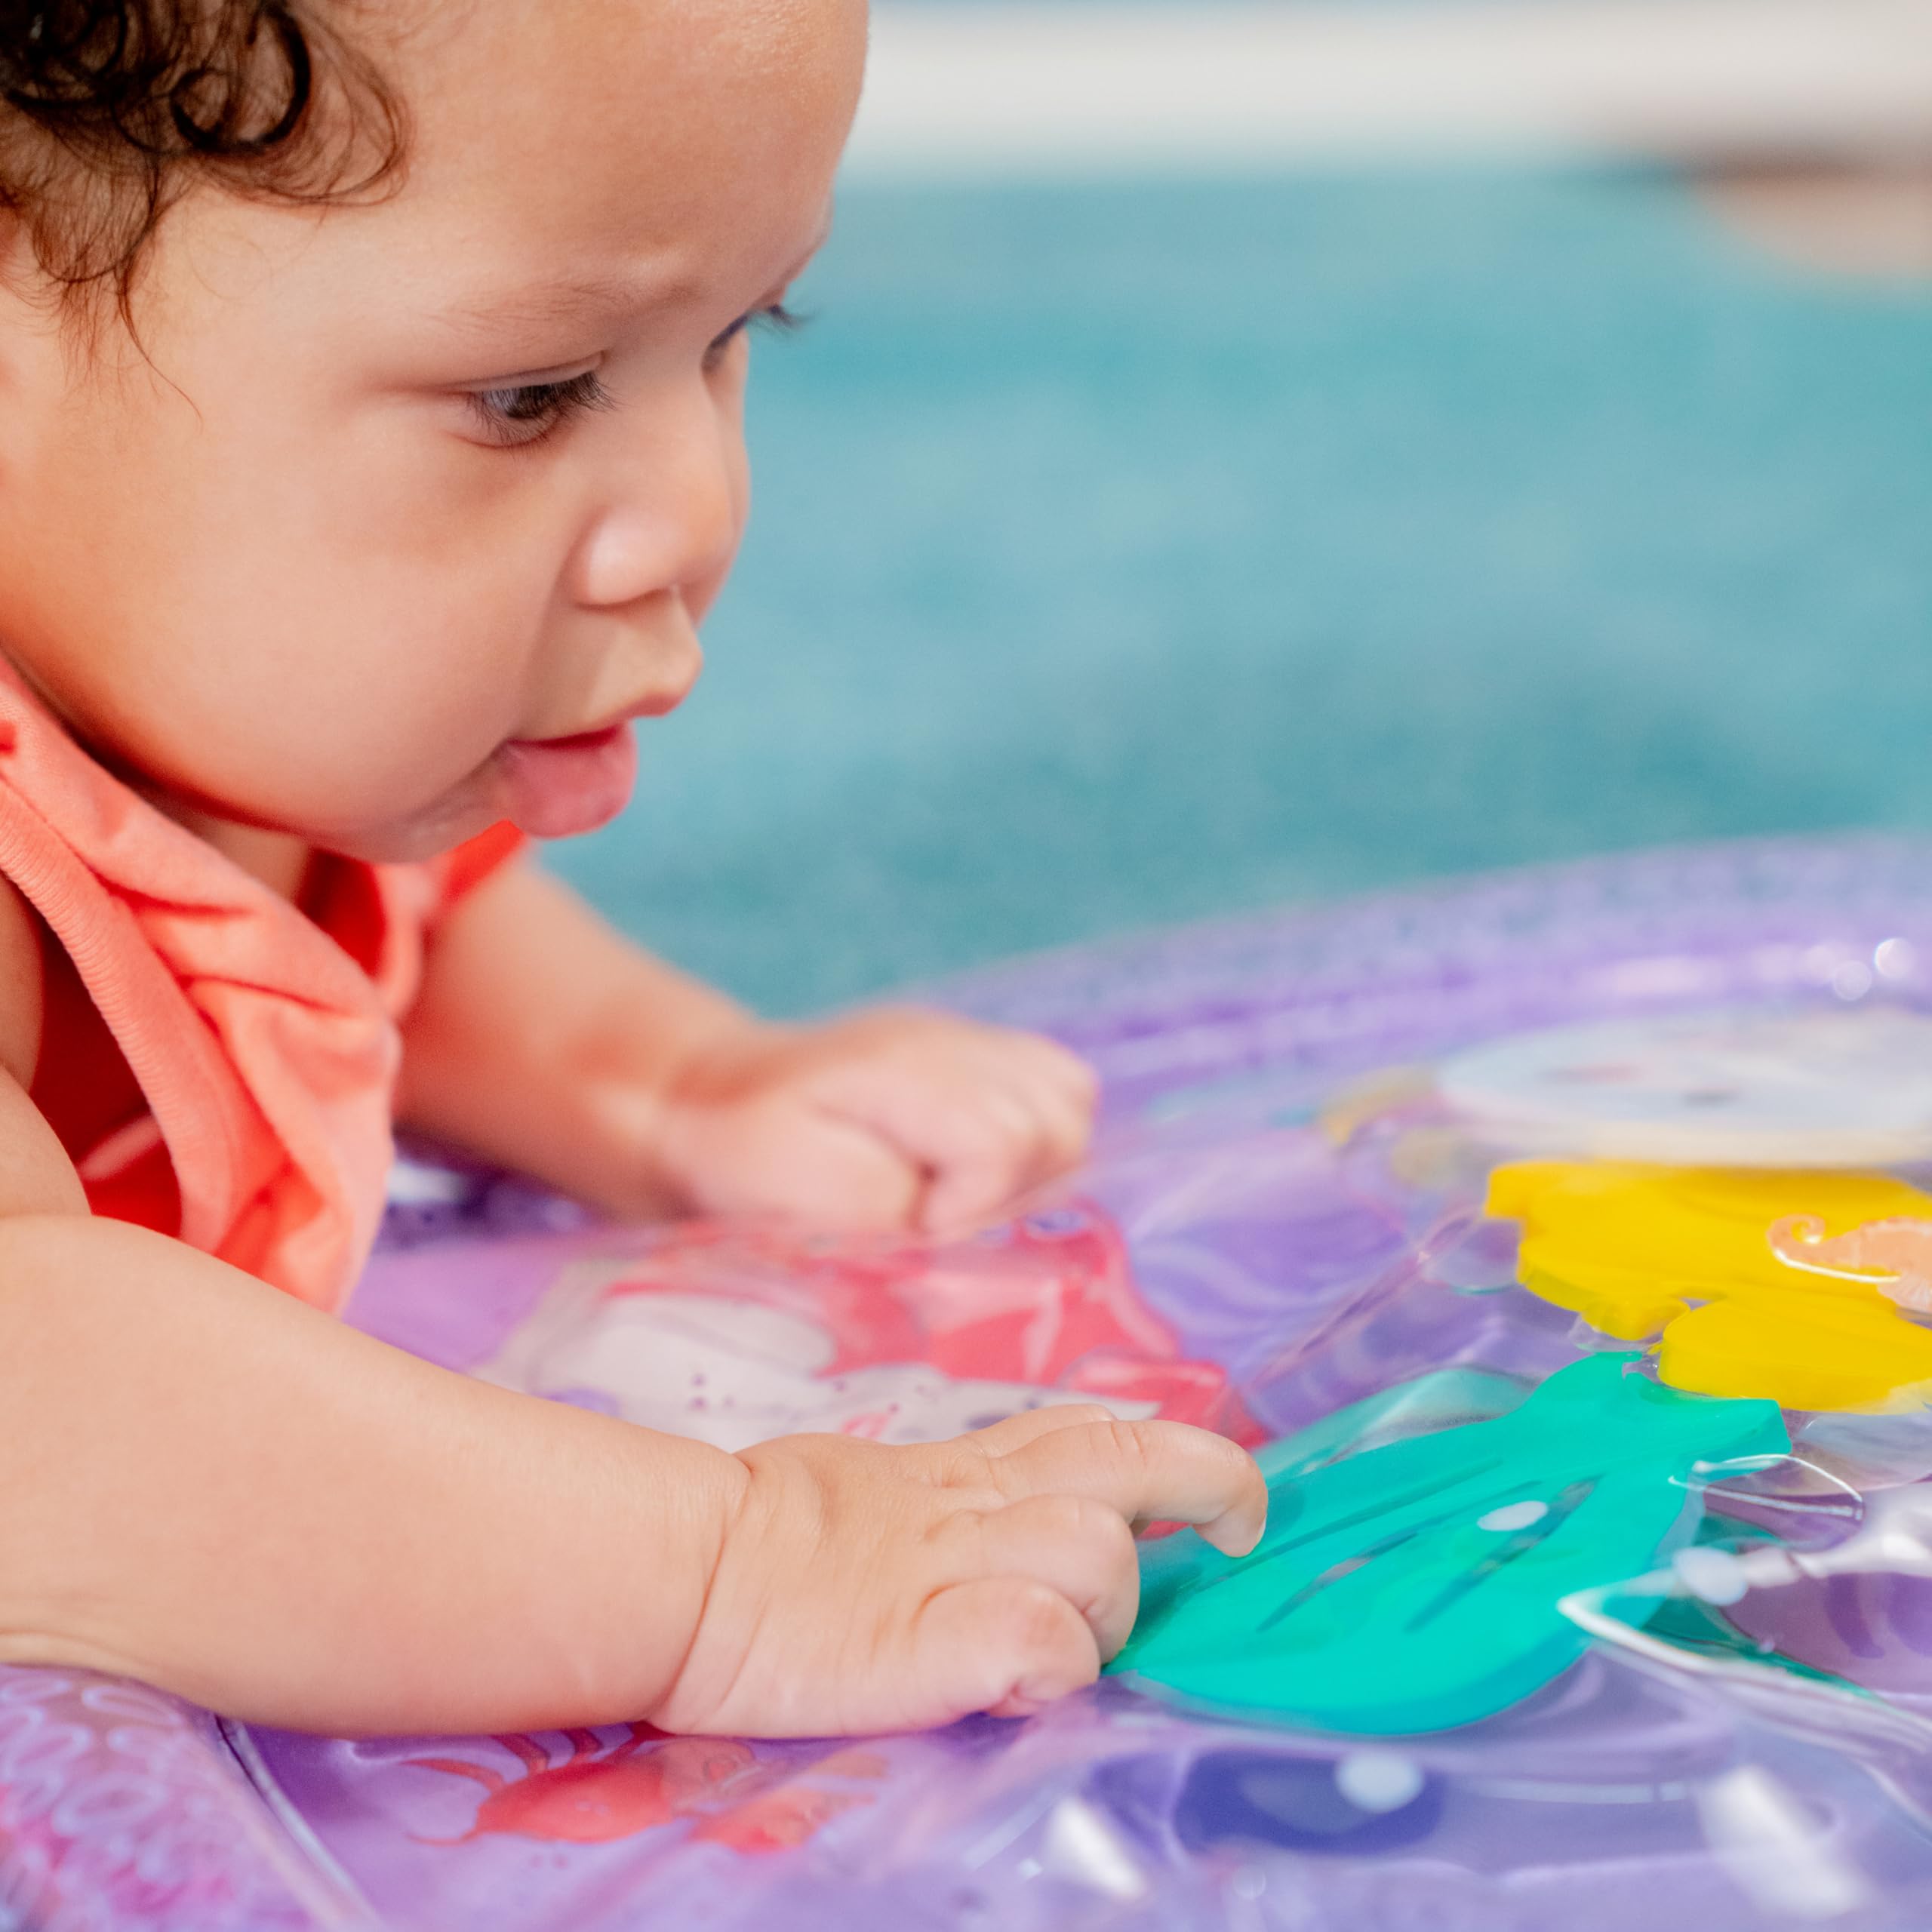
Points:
[1090,1527]
[1069,1067]
[1083,1078]
[980,1136]
[1036,1620]
[1007,1478]
[963,1464]
[1129,1444]
[856,1184]
[1087,1414]
[1171,1440]
[1069,1521]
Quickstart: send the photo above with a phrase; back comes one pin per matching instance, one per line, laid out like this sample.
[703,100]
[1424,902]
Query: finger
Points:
[1149,1472]
[1048,1127]
[1071,1078]
[956,1206]
[1001,1438]
[1056,1136]
[1079,1548]
[980,1112]
[975,1141]
[1067,1124]
[1003,1644]
[1060,1094]
[985,1164]
[1064,1132]
[830,1172]
[1065,1096]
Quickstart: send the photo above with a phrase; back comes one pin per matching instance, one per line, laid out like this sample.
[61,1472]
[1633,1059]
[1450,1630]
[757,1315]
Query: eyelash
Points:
[520,415]
[775,316]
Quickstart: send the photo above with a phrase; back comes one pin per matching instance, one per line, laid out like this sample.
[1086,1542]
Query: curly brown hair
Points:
[111,109]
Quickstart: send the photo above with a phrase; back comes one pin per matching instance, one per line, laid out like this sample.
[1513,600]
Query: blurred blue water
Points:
[1129,553]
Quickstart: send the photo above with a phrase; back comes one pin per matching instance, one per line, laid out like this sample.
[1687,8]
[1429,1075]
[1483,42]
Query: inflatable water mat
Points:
[1561,1242]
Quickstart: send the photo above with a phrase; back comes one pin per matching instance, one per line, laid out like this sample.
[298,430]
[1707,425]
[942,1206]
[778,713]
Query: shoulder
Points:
[22,984]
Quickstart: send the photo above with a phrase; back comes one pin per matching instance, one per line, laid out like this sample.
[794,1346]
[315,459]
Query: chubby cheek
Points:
[357,725]
[324,646]
[326,621]
[359,701]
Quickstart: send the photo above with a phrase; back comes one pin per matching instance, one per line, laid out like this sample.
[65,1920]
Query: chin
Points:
[428,833]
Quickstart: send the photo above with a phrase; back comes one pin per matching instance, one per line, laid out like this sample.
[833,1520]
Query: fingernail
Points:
[1228,1538]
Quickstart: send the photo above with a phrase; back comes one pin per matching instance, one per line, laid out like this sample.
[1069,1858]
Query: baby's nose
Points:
[672,513]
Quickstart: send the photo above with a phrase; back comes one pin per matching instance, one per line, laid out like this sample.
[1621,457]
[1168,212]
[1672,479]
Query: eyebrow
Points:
[567,300]
[573,298]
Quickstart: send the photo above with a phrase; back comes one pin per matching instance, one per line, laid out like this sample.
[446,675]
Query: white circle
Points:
[1895,958]
[1378,1780]
[1715,1575]
[1848,1086]
[1852,981]
[1514,1516]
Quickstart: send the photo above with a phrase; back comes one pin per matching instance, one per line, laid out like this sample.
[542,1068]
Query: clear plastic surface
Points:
[1713,1709]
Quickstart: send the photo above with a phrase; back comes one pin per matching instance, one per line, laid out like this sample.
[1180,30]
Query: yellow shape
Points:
[1683,1255]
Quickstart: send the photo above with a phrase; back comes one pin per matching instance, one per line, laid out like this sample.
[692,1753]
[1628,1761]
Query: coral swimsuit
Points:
[218,1063]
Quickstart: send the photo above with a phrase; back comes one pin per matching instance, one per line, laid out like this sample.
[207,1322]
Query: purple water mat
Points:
[1278,1222]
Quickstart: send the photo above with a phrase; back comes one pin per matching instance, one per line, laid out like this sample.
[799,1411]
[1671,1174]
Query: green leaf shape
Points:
[1378,1603]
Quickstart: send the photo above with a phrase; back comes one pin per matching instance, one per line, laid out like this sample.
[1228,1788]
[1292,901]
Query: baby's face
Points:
[407,489]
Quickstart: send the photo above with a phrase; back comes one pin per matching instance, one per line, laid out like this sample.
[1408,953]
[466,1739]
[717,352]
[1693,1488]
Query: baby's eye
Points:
[773,315]
[519,414]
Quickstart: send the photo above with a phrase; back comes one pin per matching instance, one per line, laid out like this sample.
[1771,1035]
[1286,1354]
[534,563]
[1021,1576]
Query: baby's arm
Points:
[208,1486]
[545,1040]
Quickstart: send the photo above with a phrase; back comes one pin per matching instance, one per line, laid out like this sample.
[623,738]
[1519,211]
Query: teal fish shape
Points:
[1415,1586]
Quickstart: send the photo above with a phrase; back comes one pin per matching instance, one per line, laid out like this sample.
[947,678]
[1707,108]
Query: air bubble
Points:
[1851,981]
[1513,1516]
[1379,1781]
[1895,958]
[1715,1575]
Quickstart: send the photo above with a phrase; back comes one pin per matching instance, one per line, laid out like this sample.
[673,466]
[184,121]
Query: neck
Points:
[278,859]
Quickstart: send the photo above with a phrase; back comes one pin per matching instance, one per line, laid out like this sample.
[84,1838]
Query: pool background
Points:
[1130,552]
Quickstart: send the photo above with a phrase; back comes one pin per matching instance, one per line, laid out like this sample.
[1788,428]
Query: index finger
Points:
[1150,1472]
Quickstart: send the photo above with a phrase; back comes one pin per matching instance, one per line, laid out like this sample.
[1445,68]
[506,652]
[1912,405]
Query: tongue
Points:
[559,786]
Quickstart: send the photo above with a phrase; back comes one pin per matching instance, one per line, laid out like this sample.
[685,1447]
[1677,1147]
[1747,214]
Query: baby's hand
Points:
[861,1588]
[889,1119]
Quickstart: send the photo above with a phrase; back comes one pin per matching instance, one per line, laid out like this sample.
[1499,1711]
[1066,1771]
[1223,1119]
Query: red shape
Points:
[595,1795]
[1048,1300]
[781,1820]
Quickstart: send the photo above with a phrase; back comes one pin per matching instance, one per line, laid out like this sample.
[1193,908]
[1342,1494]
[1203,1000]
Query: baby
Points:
[371,388]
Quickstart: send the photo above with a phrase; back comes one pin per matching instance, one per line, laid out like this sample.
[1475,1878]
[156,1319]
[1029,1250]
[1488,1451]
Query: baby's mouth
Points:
[556,787]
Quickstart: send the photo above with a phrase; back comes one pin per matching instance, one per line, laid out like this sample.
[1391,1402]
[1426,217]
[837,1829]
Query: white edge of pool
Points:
[1035,89]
